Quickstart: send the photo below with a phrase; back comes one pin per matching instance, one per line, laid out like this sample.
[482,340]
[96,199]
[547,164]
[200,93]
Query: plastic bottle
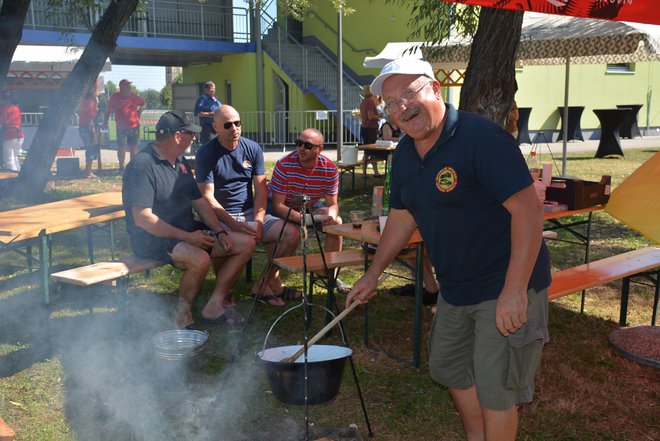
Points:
[386,187]
[534,166]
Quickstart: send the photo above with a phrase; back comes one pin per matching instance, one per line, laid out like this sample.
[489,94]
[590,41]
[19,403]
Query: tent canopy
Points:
[636,202]
[28,58]
[550,39]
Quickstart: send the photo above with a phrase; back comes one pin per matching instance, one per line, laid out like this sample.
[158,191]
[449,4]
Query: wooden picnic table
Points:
[43,220]
[8,175]
[369,234]
[374,151]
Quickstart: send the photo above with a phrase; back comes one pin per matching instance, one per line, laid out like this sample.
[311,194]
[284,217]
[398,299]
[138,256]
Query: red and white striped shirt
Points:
[291,179]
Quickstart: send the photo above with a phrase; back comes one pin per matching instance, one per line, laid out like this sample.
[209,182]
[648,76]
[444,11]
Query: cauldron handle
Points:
[341,330]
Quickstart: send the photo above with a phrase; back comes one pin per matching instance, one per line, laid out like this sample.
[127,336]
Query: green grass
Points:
[82,369]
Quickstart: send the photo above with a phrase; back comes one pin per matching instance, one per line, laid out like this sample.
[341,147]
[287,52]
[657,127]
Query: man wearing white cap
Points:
[463,182]
[127,108]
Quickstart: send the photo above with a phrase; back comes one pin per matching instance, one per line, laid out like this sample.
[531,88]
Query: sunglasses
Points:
[228,124]
[188,132]
[308,145]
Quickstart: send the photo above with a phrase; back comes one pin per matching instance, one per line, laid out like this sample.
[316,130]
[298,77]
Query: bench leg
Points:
[44,260]
[248,271]
[90,245]
[625,291]
[654,315]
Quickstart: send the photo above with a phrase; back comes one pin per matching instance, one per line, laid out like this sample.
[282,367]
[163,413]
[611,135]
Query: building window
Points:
[621,68]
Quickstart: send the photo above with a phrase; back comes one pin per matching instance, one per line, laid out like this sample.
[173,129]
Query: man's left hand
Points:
[510,311]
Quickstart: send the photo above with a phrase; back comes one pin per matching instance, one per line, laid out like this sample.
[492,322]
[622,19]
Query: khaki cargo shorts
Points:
[466,349]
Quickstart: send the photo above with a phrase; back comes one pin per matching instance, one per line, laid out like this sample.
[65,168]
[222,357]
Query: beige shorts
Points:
[466,349]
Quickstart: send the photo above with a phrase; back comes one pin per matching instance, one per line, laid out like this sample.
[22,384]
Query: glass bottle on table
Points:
[534,166]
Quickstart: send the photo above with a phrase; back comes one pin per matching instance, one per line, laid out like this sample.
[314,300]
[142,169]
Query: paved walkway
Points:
[648,142]
[556,148]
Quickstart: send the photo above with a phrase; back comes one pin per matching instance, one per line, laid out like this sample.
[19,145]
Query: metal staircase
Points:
[310,68]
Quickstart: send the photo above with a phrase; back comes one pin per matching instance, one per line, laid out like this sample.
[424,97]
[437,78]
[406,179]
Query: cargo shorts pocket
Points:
[525,348]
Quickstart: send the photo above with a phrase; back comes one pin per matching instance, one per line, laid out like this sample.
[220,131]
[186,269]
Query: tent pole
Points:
[340,84]
[564,128]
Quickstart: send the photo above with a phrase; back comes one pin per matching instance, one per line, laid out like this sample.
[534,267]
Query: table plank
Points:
[28,222]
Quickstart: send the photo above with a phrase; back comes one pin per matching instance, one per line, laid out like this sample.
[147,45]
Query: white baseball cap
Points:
[401,66]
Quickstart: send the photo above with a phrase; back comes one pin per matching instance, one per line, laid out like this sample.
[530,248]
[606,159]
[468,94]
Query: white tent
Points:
[29,58]
[553,39]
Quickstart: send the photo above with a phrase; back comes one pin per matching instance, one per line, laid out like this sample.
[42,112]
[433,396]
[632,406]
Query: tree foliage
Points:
[489,84]
[35,172]
[12,17]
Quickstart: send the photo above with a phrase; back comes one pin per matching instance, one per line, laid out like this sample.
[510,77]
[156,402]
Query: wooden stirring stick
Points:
[329,326]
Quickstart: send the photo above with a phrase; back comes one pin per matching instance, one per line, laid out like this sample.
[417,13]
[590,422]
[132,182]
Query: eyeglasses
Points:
[392,106]
[188,132]
[308,145]
[228,124]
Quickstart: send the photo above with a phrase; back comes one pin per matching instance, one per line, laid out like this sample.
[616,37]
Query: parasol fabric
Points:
[636,202]
[642,11]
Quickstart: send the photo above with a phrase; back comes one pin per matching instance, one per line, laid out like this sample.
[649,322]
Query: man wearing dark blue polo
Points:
[463,182]
[206,104]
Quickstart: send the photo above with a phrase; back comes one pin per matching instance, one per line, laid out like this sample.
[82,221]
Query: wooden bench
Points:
[316,269]
[6,434]
[622,266]
[347,168]
[113,273]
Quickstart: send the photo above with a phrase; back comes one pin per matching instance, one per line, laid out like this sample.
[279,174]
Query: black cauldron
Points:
[325,367]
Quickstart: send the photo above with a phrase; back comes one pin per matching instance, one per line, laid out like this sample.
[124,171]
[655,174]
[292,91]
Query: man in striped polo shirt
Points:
[306,171]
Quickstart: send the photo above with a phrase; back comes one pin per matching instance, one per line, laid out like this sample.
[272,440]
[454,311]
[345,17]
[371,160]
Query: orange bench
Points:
[6,434]
[624,266]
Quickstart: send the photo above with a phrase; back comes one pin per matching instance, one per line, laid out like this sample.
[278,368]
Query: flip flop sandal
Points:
[222,320]
[430,298]
[342,286]
[266,299]
[404,291]
[233,315]
[290,294]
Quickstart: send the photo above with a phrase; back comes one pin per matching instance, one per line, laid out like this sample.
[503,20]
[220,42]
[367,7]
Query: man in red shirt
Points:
[127,108]
[12,135]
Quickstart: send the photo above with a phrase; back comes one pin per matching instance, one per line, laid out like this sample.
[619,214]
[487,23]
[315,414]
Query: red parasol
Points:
[642,11]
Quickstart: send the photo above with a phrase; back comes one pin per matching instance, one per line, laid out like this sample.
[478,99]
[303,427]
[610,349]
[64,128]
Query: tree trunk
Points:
[35,172]
[489,85]
[12,18]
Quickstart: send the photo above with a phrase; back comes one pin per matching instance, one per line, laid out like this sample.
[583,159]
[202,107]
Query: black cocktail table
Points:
[574,130]
[523,122]
[629,127]
[610,123]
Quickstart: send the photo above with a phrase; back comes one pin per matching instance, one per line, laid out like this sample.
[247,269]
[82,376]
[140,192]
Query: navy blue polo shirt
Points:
[455,195]
[206,103]
[230,172]
[151,181]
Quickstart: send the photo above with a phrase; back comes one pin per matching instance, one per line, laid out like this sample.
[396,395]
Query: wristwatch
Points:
[218,233]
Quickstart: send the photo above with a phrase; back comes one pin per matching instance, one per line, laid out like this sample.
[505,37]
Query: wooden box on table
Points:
[577,193]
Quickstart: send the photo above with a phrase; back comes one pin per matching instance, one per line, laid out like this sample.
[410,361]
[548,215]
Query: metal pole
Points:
[564,124]
[256,25]
[340,85]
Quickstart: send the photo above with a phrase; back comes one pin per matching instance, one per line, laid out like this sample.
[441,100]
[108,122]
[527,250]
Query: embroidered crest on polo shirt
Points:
[446,179]
[247,164]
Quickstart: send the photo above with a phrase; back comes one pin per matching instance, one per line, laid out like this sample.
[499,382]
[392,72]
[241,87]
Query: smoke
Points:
[118,389]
